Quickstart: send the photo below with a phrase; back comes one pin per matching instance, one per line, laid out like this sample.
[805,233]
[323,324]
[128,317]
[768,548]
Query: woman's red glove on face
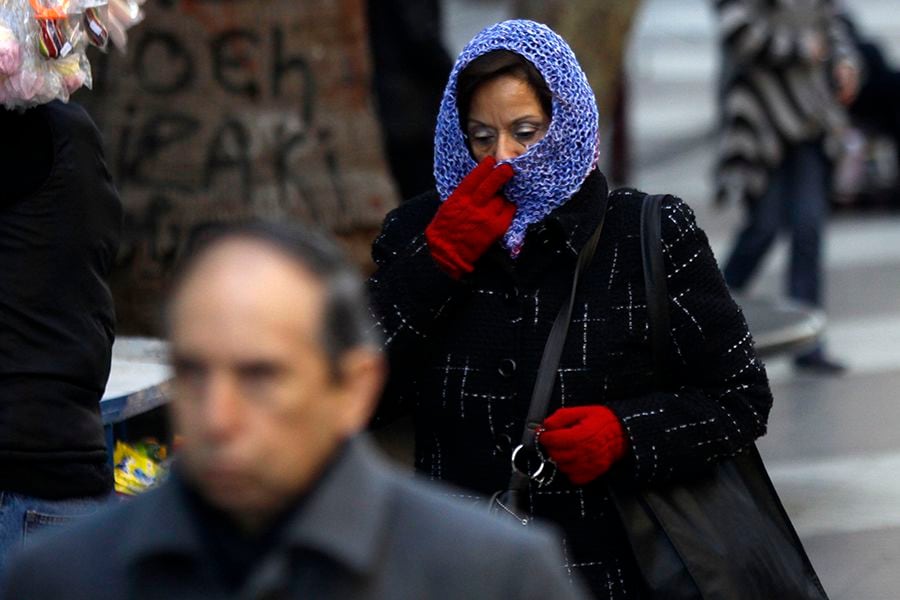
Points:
[471,219]
[584,441]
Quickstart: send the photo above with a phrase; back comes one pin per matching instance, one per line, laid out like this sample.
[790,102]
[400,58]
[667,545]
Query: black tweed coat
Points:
[464,355]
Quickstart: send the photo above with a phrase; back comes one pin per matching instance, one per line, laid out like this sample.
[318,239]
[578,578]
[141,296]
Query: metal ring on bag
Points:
[537,472]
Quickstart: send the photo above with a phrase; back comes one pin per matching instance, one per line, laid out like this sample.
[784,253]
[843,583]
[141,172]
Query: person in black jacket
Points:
[471,277]
[60,221]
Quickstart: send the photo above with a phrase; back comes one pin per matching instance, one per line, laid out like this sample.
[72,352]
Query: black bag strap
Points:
[655,285]
[546,374]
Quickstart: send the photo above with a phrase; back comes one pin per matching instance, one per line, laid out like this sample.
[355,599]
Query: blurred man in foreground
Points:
[274,495]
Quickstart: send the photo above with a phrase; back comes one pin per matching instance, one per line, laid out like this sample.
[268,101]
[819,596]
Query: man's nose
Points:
[220,407]
[507,147]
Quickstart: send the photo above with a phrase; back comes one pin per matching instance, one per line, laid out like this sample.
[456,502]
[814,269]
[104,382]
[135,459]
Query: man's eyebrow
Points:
[260,365]
[179,357]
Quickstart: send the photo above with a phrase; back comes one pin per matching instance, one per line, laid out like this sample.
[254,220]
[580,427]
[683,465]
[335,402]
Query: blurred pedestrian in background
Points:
[276,369]
[789,69]
[876,108]
[471,278]
[410,67]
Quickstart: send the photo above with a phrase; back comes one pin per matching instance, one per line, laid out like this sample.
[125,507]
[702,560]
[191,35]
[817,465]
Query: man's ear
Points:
[361,378]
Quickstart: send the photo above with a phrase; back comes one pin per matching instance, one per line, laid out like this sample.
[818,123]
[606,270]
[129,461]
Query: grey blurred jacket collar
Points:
[343,517]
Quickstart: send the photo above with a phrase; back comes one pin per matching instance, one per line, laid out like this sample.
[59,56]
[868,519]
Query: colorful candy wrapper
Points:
[94,20]
[57,38]
[50,9]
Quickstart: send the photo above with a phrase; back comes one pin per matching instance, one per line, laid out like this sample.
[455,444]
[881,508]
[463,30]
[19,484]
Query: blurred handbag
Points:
[527,462]
[724,534]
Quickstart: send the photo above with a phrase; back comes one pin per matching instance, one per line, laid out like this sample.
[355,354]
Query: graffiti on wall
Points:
[228,109]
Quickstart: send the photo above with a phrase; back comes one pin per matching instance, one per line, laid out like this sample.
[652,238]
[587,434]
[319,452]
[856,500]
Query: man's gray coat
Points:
[365,532]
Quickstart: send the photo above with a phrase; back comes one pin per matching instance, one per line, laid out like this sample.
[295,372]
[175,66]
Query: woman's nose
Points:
[507,147]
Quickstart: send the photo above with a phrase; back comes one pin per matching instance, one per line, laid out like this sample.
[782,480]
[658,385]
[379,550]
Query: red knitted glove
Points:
[584,441]
[471,219]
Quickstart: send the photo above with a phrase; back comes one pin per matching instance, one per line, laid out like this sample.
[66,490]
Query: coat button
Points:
[507,367]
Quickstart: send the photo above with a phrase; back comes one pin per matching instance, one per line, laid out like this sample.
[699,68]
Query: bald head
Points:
[345,321]
[244,283]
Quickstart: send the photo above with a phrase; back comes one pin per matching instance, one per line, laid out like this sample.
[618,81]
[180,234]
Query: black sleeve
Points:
[720,399]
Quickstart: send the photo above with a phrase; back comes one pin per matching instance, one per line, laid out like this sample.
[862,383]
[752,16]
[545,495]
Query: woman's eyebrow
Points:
[516,121]
[528,117]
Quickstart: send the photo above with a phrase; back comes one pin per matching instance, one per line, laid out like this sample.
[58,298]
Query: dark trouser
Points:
[797,200]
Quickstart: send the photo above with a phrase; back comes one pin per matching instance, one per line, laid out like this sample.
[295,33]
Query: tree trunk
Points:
[598,32]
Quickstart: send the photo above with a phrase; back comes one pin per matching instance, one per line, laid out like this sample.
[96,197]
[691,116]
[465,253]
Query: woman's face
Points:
[505,119]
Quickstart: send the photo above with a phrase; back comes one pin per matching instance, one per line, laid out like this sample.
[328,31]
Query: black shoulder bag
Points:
[528,464]
[724,535]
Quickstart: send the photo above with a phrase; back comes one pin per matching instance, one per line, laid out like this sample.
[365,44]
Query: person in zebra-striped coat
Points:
[788,70]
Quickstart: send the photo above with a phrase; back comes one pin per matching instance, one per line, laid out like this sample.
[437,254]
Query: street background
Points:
[833,448]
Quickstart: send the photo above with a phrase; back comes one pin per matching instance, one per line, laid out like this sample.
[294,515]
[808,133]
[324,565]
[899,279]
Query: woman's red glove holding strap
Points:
[471,219]
[583,441]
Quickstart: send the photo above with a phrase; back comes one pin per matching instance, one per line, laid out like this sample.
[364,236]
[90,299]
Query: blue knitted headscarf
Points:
[553,169]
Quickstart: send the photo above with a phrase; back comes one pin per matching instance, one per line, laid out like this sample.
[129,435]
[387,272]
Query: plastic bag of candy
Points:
[43,43]
[41,53]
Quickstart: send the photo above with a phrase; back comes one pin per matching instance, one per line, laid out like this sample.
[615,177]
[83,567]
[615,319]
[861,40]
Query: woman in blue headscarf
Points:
[471,277]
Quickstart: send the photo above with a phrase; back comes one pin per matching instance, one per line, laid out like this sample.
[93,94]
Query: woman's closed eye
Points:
[482,136]
[527,133]
[523,133]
